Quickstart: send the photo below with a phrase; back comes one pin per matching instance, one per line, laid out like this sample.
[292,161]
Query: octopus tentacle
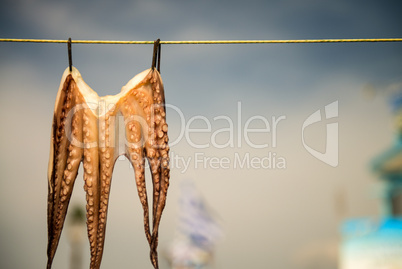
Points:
[92,180]
[106,156]
[64,162]
[160,191]
[137,159]
[135,132]
[158,156]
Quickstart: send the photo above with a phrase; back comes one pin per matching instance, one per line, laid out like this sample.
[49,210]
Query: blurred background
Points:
[284,215]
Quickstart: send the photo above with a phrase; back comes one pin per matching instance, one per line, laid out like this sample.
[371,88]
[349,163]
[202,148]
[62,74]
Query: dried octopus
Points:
[96,131]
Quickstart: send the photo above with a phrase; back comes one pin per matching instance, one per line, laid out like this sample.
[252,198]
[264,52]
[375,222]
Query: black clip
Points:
[70,58]
[157,55]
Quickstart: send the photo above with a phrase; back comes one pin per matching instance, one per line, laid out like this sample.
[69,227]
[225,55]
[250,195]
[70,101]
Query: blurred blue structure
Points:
[396,102]
[197,233]
[377,242]
[389,167]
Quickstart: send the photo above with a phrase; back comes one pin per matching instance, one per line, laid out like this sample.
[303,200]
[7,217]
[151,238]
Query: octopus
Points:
[95,131]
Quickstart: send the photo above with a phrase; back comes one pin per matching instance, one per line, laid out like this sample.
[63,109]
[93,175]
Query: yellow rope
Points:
[205,41]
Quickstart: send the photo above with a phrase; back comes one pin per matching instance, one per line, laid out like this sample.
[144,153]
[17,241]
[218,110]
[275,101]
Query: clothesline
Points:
[353,40]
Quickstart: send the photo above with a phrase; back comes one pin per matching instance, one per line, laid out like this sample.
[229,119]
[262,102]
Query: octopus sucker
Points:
[85,130]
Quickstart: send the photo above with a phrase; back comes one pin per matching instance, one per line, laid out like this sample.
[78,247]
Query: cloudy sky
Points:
[281,212]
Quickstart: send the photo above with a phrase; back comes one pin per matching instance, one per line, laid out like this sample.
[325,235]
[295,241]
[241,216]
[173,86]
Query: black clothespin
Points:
[70,58]
[157,55]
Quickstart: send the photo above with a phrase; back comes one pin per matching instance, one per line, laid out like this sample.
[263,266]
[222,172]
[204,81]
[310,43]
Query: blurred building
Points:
[376,243]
